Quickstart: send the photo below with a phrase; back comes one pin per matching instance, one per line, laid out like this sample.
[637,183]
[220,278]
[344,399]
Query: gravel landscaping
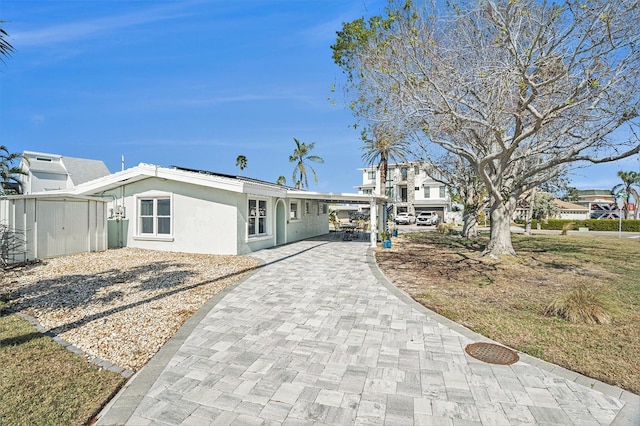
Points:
[120,305]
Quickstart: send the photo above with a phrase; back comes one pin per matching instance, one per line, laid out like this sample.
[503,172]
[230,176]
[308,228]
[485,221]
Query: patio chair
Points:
[338,232]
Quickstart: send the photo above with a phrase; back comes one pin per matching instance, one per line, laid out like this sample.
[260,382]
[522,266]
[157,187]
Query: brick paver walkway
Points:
[317,337]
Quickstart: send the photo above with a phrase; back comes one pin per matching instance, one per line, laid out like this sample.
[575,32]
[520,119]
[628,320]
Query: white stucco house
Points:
[194,211]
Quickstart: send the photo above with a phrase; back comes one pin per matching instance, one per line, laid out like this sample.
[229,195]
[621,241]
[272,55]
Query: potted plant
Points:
[385,237]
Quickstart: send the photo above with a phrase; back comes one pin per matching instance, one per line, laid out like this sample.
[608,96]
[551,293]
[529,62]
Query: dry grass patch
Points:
[583,305]
[509,300]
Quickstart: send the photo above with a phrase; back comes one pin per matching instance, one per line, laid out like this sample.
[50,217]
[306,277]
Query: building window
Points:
[307,207]
[257,217]
[427,192]
[367,191]
[372,175]
[154,217]
[325,208]
[390,192]
[403,173]
[416,170]
[293,211]
[390,173]
[442,191]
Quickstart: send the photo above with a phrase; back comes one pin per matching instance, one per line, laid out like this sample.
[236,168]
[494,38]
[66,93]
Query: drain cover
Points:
[491,353]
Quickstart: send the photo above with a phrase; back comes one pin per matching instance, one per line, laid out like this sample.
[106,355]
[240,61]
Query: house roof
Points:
[209,179]
[83,170]
[240,178]
[569,206]
[594,192]
[145,171]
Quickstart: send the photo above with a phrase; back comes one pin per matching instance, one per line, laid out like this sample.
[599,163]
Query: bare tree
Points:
[455,172]
[519,89]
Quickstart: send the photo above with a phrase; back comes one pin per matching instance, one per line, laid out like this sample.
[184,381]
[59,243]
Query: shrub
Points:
[567,227]
[582,305]
[443,228]
[628,225]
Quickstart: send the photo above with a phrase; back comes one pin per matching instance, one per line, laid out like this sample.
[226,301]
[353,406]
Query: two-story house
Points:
[409,189]
[53,172]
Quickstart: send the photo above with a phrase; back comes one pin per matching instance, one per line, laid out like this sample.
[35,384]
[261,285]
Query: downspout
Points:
[115,206]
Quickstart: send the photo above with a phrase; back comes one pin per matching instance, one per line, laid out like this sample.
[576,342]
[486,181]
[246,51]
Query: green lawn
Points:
[41,383]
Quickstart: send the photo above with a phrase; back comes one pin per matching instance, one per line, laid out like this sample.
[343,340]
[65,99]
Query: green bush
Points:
[628,225]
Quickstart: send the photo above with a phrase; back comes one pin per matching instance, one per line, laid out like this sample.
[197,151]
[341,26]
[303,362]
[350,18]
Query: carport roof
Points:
[332,197]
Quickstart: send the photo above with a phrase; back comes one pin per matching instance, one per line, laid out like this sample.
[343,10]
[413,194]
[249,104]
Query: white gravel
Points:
[120,305]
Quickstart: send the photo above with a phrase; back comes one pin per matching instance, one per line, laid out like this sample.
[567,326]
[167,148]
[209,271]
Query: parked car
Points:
[427,218]
[405,218]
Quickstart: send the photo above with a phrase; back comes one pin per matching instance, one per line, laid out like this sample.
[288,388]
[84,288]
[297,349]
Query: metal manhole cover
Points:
[492,353]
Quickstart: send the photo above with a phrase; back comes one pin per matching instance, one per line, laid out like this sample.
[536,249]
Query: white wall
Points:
[209,220]
[203,220]
[46,182]
[576,215]
[310,224]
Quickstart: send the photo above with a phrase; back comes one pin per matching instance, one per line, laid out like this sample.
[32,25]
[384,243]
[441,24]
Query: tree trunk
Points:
[527,226]
[500,240]
[470,225]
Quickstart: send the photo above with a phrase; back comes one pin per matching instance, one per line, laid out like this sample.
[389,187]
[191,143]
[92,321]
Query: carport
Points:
[376,203]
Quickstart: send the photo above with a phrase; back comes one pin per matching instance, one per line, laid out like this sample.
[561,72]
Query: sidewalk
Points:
[317,336]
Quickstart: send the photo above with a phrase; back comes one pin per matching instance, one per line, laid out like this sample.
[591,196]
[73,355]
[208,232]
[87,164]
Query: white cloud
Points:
[90,28]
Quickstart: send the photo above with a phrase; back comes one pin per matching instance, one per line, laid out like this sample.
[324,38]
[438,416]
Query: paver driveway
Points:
[317,336]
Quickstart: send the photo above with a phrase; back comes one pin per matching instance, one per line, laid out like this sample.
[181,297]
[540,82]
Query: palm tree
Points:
[629,186]
[300,157]
[9,172]
[385,145]
[5,47]
[281,181]
[241,162]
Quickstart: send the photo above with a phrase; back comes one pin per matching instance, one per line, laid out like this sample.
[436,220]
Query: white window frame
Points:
[427,192]
[257,216]
[442,191]
[154,196]
[294,214]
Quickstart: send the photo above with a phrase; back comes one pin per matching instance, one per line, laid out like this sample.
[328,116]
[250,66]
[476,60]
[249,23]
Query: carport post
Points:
[373,219]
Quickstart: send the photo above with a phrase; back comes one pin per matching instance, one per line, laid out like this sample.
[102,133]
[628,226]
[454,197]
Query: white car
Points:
[427,218]
[405,218]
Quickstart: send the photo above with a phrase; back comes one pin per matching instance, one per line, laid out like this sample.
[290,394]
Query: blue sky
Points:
[189,83]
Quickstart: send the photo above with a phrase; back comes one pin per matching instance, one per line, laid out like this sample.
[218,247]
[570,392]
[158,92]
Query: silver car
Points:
[427,218]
